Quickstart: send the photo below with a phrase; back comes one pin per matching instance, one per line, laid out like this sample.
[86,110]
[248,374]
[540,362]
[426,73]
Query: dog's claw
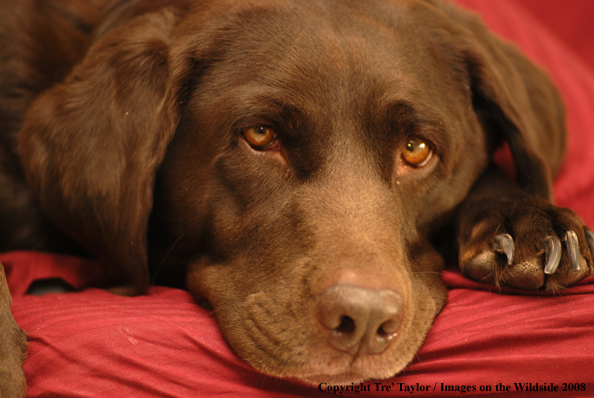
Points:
[590,240]
[504,244]
[573,250]
[553,254]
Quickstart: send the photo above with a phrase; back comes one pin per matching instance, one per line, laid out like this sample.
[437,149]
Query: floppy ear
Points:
[91,145]
[515,101]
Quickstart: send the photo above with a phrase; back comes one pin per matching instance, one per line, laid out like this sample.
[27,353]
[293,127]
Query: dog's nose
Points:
[360,321]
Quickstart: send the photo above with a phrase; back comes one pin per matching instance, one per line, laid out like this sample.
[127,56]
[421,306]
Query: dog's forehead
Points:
[316,54]
[322,42]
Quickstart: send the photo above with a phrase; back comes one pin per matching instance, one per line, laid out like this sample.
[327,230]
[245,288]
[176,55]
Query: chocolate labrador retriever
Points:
[299,163]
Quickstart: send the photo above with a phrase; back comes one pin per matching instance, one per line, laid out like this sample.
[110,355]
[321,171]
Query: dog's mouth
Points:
[339,326]
[331,367]
[290,343]
[318,362]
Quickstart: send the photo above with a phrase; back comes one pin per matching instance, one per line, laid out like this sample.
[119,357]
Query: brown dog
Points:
[297,160]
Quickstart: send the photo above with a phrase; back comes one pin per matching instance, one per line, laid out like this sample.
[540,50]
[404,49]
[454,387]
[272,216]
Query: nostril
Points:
[346,326]
[388,328]
[381,332]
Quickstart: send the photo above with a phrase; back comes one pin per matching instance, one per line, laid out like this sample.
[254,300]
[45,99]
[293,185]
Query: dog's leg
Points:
[507,236]
[13,346]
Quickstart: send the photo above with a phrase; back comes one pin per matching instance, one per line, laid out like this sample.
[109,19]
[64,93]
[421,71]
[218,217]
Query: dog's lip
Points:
[345,374]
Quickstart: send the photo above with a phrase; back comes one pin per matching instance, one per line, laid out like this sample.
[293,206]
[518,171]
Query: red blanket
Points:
[92,343]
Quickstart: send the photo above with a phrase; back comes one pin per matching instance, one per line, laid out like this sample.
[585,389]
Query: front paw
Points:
[526,243]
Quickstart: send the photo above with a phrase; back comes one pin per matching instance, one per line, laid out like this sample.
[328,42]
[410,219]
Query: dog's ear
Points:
[91,144]
[514,99]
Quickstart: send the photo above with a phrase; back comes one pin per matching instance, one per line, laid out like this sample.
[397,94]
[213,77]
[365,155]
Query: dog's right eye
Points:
[417,152]
[260,137]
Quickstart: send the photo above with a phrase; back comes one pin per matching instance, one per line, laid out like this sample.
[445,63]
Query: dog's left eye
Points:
[416,152]
[259,137]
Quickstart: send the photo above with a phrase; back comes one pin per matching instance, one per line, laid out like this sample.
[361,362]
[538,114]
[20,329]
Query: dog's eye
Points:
[416,152]
[259,137]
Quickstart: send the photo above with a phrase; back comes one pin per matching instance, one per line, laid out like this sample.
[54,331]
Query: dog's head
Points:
[297,156]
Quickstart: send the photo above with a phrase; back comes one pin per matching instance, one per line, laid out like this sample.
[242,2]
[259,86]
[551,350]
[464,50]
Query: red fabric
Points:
[573,77]
[571,21]
[95,344]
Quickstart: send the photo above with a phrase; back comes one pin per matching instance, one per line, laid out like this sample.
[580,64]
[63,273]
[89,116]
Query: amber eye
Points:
[416,152]
[259,137]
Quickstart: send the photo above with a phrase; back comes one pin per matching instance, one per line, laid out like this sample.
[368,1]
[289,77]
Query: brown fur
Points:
[128,120]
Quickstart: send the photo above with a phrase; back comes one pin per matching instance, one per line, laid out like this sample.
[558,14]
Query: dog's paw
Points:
[527,243]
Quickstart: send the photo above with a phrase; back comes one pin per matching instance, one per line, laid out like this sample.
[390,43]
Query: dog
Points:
[303,167]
